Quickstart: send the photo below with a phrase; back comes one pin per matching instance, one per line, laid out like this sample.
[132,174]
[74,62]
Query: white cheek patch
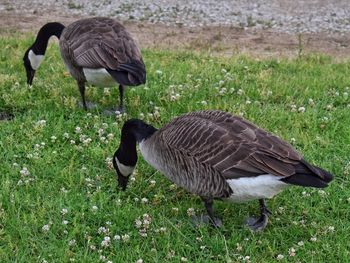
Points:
[124,169]
[35,60]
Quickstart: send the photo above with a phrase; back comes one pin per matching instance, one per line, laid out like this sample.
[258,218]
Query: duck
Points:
[217,156]
[99,51]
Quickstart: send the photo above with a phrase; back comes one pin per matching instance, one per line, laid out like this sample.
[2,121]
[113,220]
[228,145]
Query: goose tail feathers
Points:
[130,74]
[309,175]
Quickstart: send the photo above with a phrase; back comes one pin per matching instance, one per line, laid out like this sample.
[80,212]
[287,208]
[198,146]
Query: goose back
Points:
[96,43]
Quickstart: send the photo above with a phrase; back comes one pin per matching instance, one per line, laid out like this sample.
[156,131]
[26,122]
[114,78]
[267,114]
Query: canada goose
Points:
[217,156]
[96,50]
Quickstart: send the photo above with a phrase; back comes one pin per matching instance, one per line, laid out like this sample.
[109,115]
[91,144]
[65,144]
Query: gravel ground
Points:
[287,16]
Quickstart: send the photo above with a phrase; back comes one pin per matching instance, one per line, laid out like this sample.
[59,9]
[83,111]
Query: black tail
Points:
[309,175]
[130,74]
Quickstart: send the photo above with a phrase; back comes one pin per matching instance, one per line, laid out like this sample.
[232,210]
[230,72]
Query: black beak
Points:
[30,76]
[123,181]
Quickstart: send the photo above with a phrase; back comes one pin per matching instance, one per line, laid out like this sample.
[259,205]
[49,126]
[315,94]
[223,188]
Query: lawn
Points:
[59,197]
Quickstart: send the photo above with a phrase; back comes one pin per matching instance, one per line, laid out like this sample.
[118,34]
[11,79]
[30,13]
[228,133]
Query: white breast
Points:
[99,77]
[34,59]
[252,188]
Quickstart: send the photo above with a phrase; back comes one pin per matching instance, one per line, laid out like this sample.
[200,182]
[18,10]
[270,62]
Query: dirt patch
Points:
[6,116]
[216,40]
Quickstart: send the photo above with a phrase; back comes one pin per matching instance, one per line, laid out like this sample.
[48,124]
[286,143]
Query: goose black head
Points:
[28,66]
[123,171]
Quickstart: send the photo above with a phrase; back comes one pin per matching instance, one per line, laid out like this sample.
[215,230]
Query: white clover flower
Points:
[301,109]
[24,172]
[203,102]
[152,183]
[72,142]
[139,261]
[46,228]
[143,232]
[65,222]
[240,92]
[64,211]
[331,228]
[202,247]
[94,208]
[105,242]
[77,129]
[101,132]
[280,257]
[329,107]
[175,209]
[110,136]
[41,123]
[190,211]
[102,229]
[138,223]
[72,242]
[136,199]
[301,243]
[102,258]
[183,259]
[53,138]
[106,91]
[146,217]
[125,238]
[313,239]
[146,223]
[144,200]
[311,102]
[238,247]
[159,72]
[291,252]
[293,107]
[248,102]
[116,237]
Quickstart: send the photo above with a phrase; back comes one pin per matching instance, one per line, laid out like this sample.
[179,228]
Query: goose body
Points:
[99,51]
[220,156]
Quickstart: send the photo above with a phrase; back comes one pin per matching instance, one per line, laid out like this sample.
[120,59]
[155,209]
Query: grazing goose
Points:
[95,50]
[217,156]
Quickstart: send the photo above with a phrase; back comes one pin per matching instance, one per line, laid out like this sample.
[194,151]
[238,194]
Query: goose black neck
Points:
[44,34]
[133,131]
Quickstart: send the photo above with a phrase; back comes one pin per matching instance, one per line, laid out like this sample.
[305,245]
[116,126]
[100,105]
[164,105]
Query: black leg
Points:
[121,96]
[82,93]
[208,203]
[260,223]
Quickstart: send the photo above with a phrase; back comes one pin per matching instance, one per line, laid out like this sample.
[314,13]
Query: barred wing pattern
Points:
[102,43]
[226,147]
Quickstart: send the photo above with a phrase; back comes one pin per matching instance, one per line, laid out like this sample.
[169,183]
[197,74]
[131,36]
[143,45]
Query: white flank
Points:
[99,77]
[251,188]
[124,169]
[35,60]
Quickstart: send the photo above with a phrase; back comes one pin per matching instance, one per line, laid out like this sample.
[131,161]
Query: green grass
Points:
[76,177]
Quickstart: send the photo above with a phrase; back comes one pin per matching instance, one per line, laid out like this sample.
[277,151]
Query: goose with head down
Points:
[218,156]
[99,51]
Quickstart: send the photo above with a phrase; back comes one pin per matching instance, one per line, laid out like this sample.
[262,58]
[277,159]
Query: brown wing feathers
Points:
[237,148]
[105,43]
